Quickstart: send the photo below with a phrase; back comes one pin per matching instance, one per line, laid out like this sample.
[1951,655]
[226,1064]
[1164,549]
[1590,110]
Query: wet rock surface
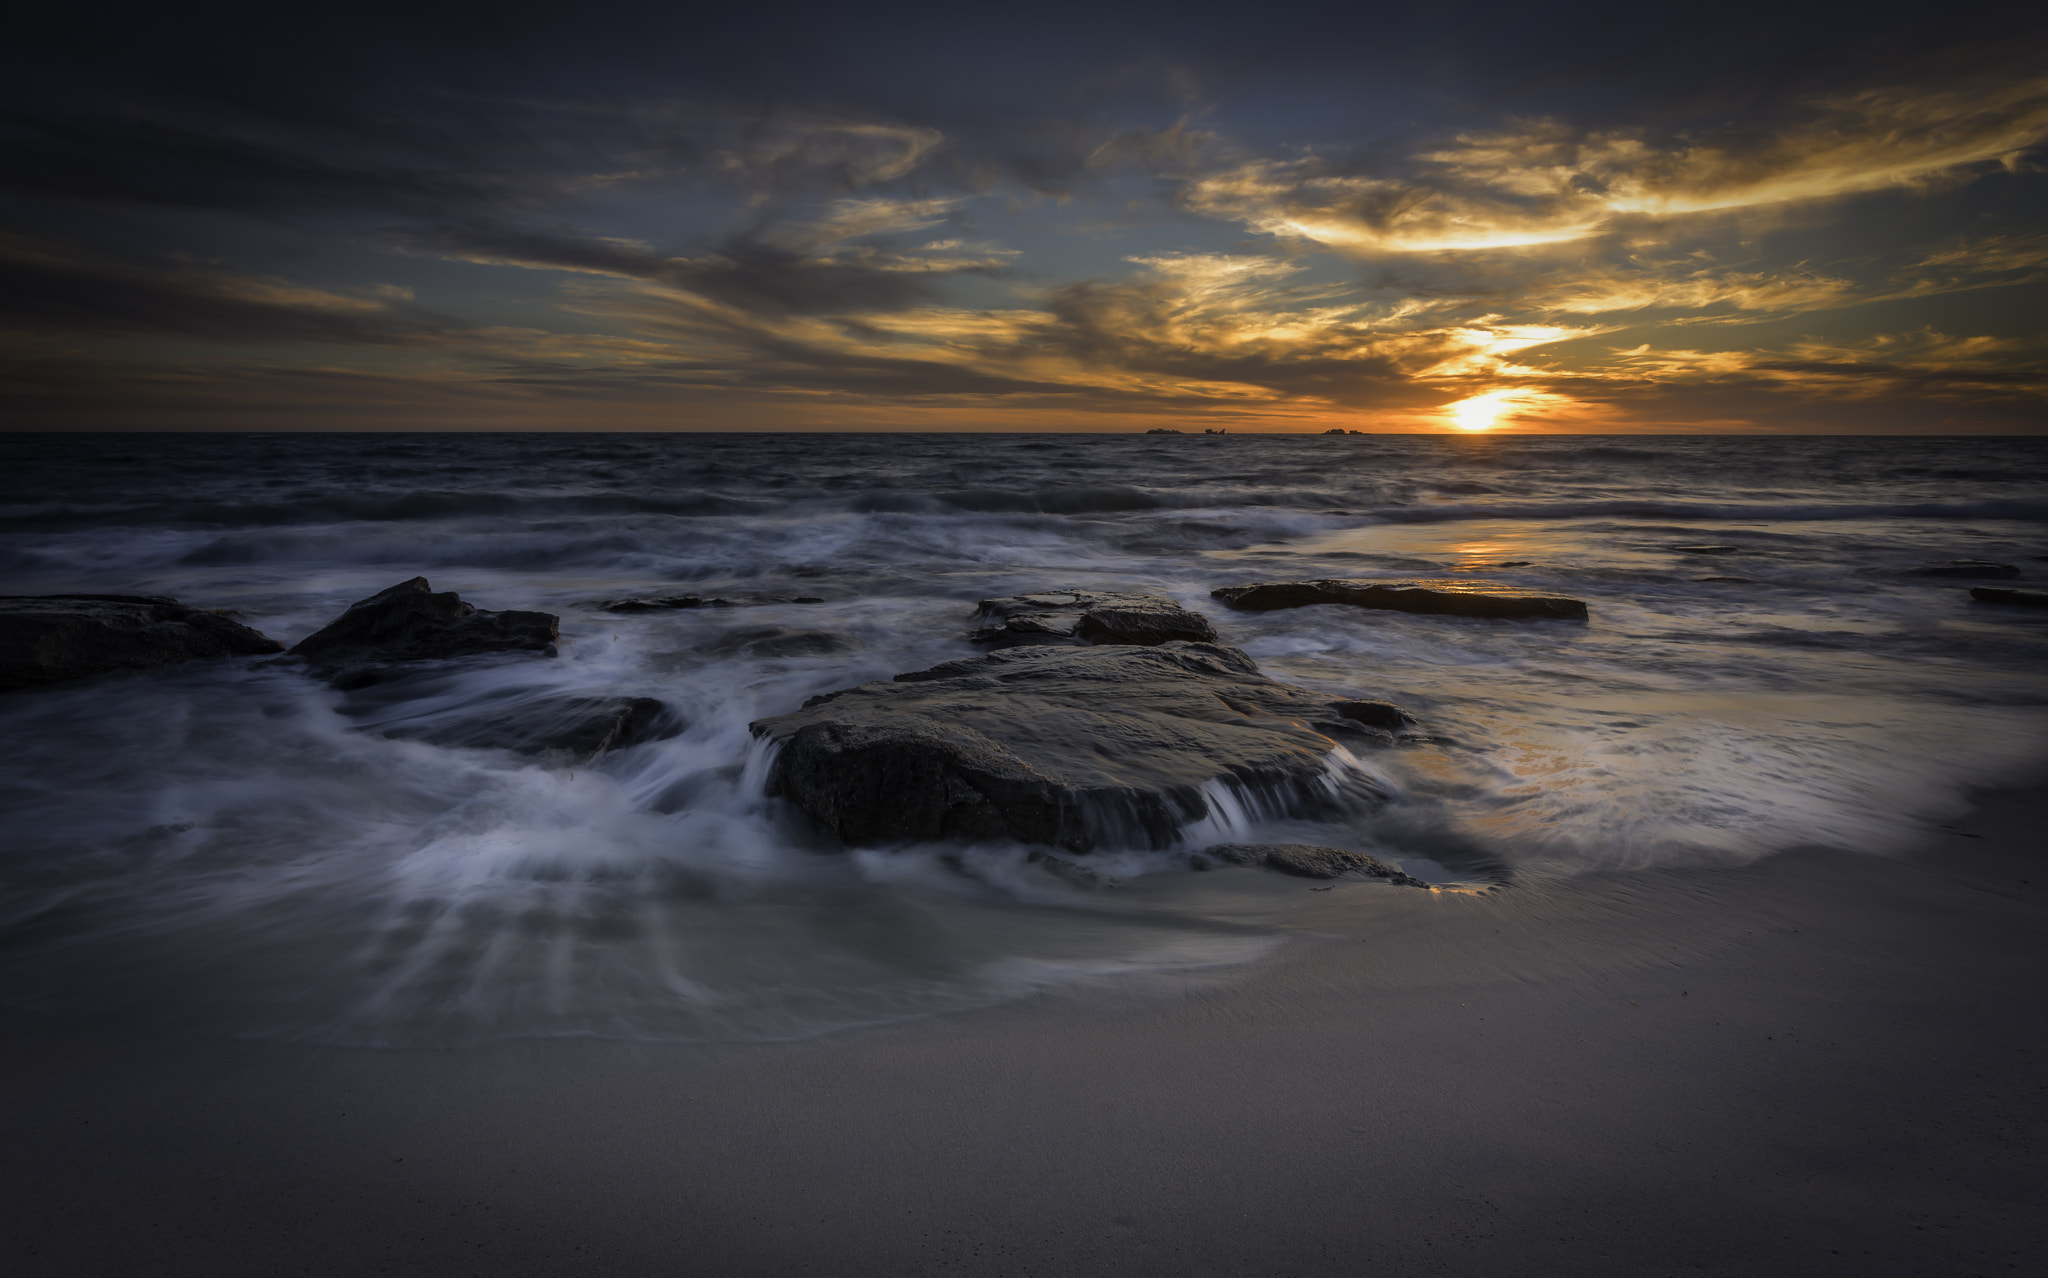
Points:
[1309,861]
[1402,597]
[409,623]
[1081,616]
[49,638]
[2017,598]
[1076,748]
[1967,569]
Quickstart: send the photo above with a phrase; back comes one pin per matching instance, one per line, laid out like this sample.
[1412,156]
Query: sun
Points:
[1482,412]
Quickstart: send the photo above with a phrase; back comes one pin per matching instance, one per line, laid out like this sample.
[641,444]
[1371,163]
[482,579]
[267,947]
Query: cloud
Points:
[1545,182]
[47,286]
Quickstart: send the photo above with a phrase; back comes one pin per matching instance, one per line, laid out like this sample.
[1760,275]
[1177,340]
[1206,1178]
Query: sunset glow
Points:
[1482,412]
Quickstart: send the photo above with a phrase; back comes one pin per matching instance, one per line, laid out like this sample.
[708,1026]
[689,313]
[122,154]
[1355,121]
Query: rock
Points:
[1310,862]
[1335,430]
[1161,430]
[1453,601]
[1979,569]
[665,603]
[1374,714]
[1068,747]
[568,728]
[1084,616]
[408,623]
[774,641]
[1725,581]
[1997,595]
[47,638]
[1707,550]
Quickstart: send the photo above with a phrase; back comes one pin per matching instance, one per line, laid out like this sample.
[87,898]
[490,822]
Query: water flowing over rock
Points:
[1083,616]
[47,638]
[2021,598]
[1077,748]
[566,729]
[410,623]
[1456,601]
[1308,861]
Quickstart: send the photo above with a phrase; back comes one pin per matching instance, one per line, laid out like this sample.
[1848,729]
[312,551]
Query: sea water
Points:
[230,847]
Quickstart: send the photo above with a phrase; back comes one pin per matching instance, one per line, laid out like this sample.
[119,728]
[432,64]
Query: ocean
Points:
[232,848]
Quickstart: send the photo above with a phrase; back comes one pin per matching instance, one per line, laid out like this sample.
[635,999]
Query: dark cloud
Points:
[42,291]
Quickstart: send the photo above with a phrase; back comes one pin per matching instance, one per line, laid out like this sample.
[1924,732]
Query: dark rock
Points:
[1725,581]
[1310,862]
[1070,747]
[569,728]
[1978,569]
[807,599]
[774,641]
[1085,616]
[1374,714]
[46,638]
[664,603]
[1456,600]
[1707,550]
[1999,595]
[1514,563]
[379,636]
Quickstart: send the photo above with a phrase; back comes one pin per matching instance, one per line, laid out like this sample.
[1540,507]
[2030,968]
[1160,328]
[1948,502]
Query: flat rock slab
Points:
[1401,597]
[2021,598]
[1977,569]
[565,728]
[1084,616]
[1309,861]
[47,638]
[411,623]
[1077,748]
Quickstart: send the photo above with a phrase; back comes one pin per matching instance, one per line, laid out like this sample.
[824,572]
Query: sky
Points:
[1446,216]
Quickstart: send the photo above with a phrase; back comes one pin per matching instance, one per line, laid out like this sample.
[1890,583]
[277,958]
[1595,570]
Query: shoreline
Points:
[1820,1062]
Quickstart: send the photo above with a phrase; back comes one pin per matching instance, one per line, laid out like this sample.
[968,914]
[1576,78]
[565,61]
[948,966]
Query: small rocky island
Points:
[48,638]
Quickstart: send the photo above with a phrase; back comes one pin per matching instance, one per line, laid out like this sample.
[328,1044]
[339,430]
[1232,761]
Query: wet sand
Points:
[1820,1063]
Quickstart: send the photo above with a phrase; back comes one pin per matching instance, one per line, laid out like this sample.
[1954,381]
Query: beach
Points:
[1819,1063]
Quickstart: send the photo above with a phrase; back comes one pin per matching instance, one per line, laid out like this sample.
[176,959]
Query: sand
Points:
[1821,1063]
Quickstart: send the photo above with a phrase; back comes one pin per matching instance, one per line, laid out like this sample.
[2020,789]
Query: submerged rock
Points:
[777,641]
[47,638]
[1998,595]
[569,728]
[1309,861]
[1077,748]
[411,623]
[1458,601]
[1979,569]
[1085,616]
[1707,550]
[663,603]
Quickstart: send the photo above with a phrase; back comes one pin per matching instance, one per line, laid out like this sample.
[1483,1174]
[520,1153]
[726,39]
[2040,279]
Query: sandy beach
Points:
[1819,1063]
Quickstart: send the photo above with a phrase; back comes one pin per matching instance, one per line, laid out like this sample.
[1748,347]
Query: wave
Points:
[2022,510]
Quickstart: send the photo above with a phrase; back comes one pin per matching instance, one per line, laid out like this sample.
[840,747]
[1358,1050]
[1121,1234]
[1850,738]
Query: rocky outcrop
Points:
[47,638]
[1968,569]
[1084,616]
[2020,598]
[1307,861]
[1450,601]
[410,623]
[566,729]
[1071,747]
